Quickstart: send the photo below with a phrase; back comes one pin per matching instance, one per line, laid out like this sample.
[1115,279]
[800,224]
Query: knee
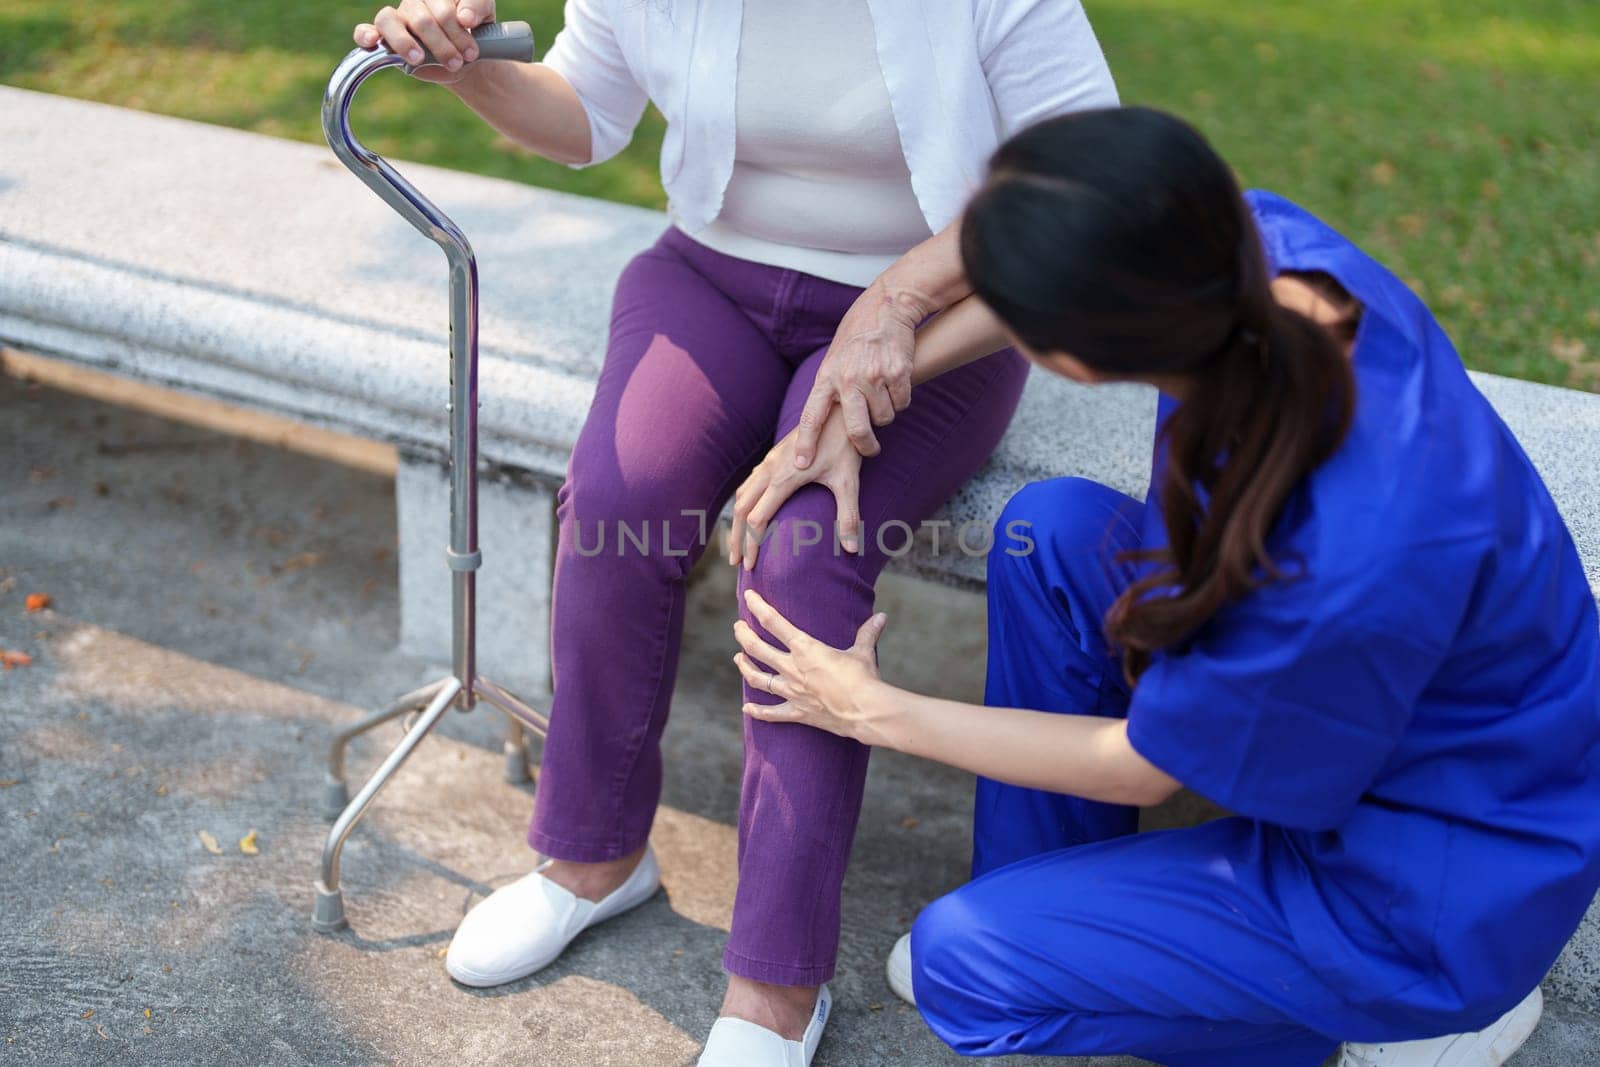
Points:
[800,552]
[803,572]
[603,514]
[938,957]
[954,989]
[980,981]
[1067,523]
[593,494]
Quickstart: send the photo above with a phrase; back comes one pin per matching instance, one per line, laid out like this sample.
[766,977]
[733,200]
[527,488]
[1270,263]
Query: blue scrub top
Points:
[1414,722]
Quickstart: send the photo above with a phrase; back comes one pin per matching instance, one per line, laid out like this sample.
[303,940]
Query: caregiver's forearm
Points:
[960,334]
[928,278]
[532,104]
[1085,755]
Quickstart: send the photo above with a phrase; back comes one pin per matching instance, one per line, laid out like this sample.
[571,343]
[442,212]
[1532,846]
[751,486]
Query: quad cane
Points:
[463,688]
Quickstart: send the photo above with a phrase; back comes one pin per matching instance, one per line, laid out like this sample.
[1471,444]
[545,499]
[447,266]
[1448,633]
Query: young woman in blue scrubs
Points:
[1347,611]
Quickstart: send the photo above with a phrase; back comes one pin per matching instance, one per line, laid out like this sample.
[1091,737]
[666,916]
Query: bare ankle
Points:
[593,881]
[785,1010]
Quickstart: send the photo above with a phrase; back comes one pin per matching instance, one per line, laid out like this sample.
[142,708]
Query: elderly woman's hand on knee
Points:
[777,478]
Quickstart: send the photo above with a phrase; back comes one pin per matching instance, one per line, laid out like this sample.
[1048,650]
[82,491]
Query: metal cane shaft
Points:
[510,41]
[463,556]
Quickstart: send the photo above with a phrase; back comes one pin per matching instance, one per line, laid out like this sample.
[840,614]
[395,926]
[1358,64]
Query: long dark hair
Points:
[1121,238]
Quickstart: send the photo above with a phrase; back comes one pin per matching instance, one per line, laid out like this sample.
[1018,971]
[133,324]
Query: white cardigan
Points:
[962,75]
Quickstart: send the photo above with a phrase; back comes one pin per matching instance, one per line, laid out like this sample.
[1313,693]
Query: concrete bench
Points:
[258,271]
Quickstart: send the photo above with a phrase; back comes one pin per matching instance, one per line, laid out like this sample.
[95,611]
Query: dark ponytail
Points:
[1120,238]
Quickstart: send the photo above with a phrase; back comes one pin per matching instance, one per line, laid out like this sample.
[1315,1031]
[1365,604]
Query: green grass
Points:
[1457,140]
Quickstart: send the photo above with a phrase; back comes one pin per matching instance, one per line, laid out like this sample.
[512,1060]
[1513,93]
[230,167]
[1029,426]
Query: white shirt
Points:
[819,181]
[961,76]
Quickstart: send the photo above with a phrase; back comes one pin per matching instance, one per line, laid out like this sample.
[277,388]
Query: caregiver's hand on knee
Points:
[776,479]
[825,687]
[839,690]
[442,27]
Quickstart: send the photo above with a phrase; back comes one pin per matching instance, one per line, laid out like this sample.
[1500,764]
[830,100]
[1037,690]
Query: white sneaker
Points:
[899,970]
[1488,1047]
[524,926]
[740,1043]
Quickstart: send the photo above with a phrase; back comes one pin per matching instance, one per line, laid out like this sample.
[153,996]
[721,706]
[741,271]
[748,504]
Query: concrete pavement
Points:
[219,607]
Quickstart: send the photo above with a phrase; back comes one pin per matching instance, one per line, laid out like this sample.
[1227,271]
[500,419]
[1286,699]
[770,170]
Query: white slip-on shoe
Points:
[740,1043]
[1489,1047]
[898,968]
[524,926]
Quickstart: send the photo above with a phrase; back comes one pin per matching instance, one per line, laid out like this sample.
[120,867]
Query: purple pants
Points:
[710,360]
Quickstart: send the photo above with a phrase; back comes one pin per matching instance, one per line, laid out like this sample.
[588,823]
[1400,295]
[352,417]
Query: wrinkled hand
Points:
[820,686]
[776,479]
[867,371]
[443,27]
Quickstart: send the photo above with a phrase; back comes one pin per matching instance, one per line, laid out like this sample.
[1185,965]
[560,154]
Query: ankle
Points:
[593,881]
[785,1010]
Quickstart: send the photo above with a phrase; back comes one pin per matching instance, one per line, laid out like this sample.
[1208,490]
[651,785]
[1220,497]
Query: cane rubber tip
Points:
[516,764]
[327,915]
[335,797]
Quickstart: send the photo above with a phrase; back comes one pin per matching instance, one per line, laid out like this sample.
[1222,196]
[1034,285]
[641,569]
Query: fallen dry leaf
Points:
[38,601]
[211,843]
[11,658]
[247,843]
[303,560]
[9,782]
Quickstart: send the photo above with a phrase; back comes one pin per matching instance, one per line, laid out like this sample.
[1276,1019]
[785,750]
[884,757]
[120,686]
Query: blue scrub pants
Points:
[1076,936]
